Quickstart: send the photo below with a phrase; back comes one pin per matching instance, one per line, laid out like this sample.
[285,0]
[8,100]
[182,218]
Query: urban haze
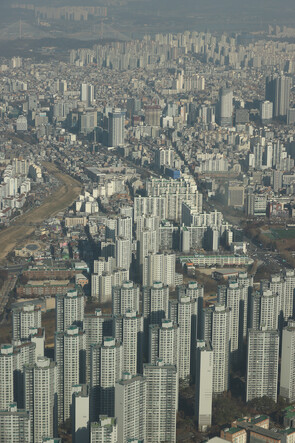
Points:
[147,221]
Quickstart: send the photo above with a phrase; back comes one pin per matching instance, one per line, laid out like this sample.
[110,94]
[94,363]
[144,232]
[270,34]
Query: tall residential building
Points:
[105,430]
[87,94]
[24,318]
[96,326]
[287,383]
[155,302]
[116,128]
[204,384]
[6,376]
[225,106]
[147,244]
[124,227]
[132,337]
[123,253]
[80,414]
[125,298]
[159,267]
[264,309]
[164,343]
[69,310]
[277,90]
[266,111]
[183,312]
[161,402]
[221,328]
[70,348]
[130,407]
[24,353]
[40,398]
[15,425]
[206,323]
[37,336]
[262,364]
[106,367]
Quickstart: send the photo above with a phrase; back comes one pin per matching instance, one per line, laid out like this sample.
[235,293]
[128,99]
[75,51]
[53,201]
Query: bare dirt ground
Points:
[26,223]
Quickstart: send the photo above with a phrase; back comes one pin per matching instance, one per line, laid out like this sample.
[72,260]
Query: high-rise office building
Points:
[277,90]
[152,115]
[40,398]
[161,401]
[125,297]
[6,374]
[287,380]
[105,430]
[106,363]
[70,348]
[225,107]
[15,425]
[116,128]
[69,310]
[221,328]
[164,343]
[24,318]
[262,364]
[204,384]
[130,407]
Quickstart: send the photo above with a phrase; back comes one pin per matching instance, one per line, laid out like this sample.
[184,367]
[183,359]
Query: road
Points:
[8,286]
[25,226]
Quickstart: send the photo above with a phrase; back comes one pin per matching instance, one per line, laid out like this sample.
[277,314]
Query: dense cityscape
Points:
[147,260]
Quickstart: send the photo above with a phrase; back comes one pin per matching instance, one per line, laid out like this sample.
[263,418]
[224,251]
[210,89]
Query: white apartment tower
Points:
[6,376]
[132,342]
[123,253]
[40,390]
[161,402]
[70,347]
[80,414]
[125,297]
[184,312]
[159,267]
[96,327]
[106,367]
[204,384]
[262,364]
[15,425]
[24,318]
[221,328]
[69,310]
[155,302]
[287,384]
[164,343]
[130,407]
[104,431]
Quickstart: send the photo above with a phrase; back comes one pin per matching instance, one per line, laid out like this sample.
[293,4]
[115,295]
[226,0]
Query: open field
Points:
[25,225]
[279,234]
